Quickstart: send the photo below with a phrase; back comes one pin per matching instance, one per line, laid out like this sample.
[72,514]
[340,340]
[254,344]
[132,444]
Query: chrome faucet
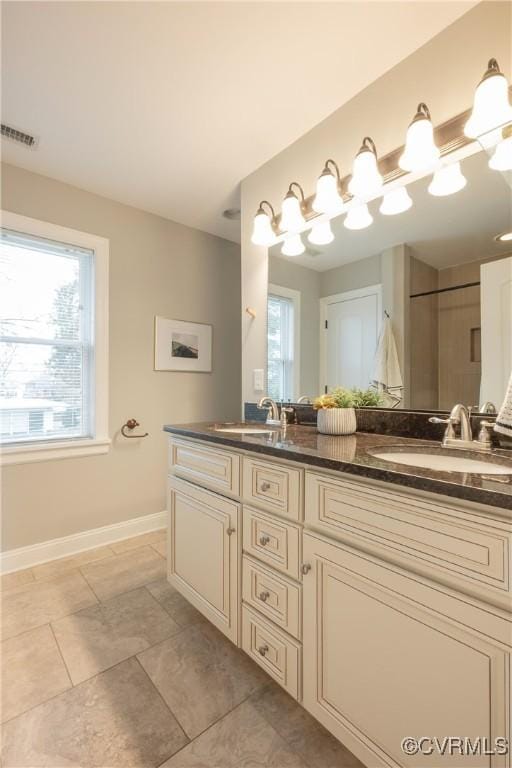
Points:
[459,416]
[272,412]
[304,399]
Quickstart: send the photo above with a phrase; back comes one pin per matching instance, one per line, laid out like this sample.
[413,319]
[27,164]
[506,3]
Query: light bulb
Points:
[327,199]
[262,232]
[321,233]
[491,107]
[366,181]
[293,246]
[421,151]
[447,180]
[358,217]
[292,219]
[396,201]
[502,157]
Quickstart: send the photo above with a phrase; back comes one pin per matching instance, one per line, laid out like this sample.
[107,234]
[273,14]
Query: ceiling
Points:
[166,106]
[441,231]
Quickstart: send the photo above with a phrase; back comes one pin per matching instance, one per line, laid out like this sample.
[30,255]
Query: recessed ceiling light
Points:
[233,214]
[504,238]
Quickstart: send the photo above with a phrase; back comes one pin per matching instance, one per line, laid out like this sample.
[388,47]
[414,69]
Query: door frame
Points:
[325,301]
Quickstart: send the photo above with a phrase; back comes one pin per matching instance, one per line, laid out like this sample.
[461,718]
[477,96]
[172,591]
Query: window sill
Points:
[64,449]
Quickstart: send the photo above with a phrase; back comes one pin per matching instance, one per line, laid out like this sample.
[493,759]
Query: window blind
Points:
[46,339]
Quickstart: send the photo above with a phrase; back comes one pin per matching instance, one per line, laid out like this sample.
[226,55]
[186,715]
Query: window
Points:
[282,343]
[52,341]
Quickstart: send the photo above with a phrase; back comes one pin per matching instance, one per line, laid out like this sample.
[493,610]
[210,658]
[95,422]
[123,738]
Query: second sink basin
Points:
[443,462]
[244,430]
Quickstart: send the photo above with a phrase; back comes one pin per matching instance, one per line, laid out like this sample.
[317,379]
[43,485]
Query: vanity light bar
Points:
[490,113]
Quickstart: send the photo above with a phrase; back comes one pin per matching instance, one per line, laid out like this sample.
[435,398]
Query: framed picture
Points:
[182,346]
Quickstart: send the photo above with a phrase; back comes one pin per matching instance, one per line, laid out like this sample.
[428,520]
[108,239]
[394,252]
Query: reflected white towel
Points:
[504,419]
[387,376]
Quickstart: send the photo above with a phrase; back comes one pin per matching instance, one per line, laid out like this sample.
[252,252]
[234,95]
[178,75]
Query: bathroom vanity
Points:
[377,595]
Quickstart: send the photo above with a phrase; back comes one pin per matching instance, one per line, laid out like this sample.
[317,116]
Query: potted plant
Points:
[336,410]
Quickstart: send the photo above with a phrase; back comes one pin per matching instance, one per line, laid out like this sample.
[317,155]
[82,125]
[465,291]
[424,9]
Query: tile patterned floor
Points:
[105,665]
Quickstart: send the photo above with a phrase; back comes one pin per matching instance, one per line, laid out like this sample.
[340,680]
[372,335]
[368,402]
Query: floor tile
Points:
[32,671]
[116,719]
[161,547]
[301,731]
[242,739]
[154,537]
[96,638]
[201,676]
[56,567]
[125,572]
[175,604]
[16,579]
[30,605]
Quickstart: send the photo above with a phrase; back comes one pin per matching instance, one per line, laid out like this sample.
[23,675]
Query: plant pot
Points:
[336,421]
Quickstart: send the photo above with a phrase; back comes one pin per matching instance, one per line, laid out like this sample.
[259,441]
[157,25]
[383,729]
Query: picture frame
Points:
[182,346]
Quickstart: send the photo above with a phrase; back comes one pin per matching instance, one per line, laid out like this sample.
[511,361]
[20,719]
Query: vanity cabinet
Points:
[204,561]
[387,613]
[388,656]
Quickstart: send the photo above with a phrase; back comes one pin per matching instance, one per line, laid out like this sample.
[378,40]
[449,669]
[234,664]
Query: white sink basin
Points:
[244,430]
[443,462]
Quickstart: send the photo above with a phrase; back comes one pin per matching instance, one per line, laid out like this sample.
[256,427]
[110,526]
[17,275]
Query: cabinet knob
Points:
[265,487]
[305,568]
[264,540]
[230,531]
[264,596]
[262,650]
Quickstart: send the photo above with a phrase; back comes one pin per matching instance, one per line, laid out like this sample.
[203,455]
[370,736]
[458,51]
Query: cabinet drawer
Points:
[276,597]
[276,653]
[274,486]
[470,549]
[205,465]
[272,540]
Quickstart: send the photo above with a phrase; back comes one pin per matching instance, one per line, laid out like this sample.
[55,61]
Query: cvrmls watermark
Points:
[454,745]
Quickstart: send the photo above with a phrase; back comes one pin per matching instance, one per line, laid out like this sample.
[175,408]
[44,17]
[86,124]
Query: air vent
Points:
[13,134]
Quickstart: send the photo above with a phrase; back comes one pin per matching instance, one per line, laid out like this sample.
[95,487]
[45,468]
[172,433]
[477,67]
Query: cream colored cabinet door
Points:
[205,553]
[387,656]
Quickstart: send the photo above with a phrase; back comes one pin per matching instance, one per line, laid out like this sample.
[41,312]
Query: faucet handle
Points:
[449,421]
[484,434]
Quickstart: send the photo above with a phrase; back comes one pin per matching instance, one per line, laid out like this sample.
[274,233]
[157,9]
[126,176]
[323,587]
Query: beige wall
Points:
[443,73]
[156,267]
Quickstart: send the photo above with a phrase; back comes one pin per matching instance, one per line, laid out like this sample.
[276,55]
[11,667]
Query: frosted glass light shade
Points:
[366,181]
[293,246]
[262,232]
[321,233]
[502,157]
[292,219]
[358,217]
[327,199]
[421,151]
[396,201]
[447,180]
[491,106]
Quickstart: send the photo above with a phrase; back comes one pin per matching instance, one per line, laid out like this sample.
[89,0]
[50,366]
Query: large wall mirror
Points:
[436,270]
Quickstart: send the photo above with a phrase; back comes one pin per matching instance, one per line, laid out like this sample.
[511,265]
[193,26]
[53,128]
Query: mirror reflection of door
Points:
[351,327]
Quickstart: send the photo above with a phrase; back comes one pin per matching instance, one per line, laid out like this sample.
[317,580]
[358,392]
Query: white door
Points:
[496,314]
[352,329]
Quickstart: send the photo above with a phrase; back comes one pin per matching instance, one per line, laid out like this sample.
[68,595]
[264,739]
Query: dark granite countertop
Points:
[353,454]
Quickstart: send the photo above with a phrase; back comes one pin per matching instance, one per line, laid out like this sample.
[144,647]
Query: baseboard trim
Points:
[26,557]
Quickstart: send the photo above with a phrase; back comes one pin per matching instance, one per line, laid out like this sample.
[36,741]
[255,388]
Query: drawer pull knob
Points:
[230,531]
[262,650]
[265,487]
[264,596]
[305,568]
[264,540]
